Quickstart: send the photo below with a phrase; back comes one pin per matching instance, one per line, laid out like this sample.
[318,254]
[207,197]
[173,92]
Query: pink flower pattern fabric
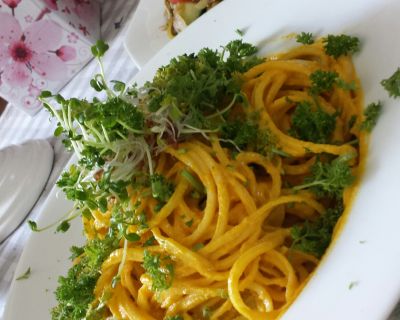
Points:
[12,3]
[34,49]
[39,48]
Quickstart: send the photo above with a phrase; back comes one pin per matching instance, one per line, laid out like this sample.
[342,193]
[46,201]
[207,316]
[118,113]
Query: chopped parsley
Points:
[25,275]
[339,45]
[312,125]
[392,84]
[192,89]
[314,237]
[160,269]
[189,223]
[242,134]
[324,81]
[371,115]
[206,312]
[75,291]
[305,38]
[353,284]
[150,242]
[197,246]
[162,189]
[329,178]
[240,32]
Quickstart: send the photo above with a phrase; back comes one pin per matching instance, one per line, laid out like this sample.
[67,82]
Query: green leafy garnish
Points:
[25,275]
[150,242]
[240,32]
[353,284]
[305,38]
[329,178]
[392,84]
[160,269]
[371,115]
[315,236]
[349,86]
[196,184]
[189,223]
[206,312]
[162,189]
[312,125]
[244,134]
[197,246]
[339,45]
[75,291]
[99,49]
[193,89]
[33,225]
[322,81]
[63,226]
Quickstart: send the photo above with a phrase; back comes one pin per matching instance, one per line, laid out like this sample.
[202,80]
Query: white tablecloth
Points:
[17,127]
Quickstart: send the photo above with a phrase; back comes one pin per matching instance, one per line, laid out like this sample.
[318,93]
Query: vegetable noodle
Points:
[242,231]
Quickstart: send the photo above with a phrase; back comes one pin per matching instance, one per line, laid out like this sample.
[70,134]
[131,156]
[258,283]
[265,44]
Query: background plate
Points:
[145,35]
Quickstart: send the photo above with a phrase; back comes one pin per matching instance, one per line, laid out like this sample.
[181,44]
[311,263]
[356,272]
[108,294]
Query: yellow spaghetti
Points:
[227,242]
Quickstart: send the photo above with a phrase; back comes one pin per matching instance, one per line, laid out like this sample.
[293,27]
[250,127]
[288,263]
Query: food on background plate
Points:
[214,190]
[181,13]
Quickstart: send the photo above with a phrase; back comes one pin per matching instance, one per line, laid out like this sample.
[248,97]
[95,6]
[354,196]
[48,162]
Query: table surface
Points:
[17,127]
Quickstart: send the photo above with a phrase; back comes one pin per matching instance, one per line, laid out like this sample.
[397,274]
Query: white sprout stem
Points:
[56,114]
[86,136]
[96,132]
[105,133]
[110,93]
[123,259]
[128,127]
[149,159]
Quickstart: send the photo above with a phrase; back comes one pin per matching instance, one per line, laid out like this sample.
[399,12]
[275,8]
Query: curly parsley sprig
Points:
[392,84]
[339,45]
[329,178]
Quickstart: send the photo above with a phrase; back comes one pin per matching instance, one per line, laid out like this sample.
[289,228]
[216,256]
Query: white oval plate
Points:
[24,170]
[359,277]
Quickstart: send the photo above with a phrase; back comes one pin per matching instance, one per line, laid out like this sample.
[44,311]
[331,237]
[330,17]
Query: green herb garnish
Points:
[162,189]
[324,81]
[338,45]
[315,236]
[194,181]
[329,178]
[392,84]
[75,291]
[305,38]
[312,125]
[371,115]
[160,269]
[240,32]
[25,275]
[353,284]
